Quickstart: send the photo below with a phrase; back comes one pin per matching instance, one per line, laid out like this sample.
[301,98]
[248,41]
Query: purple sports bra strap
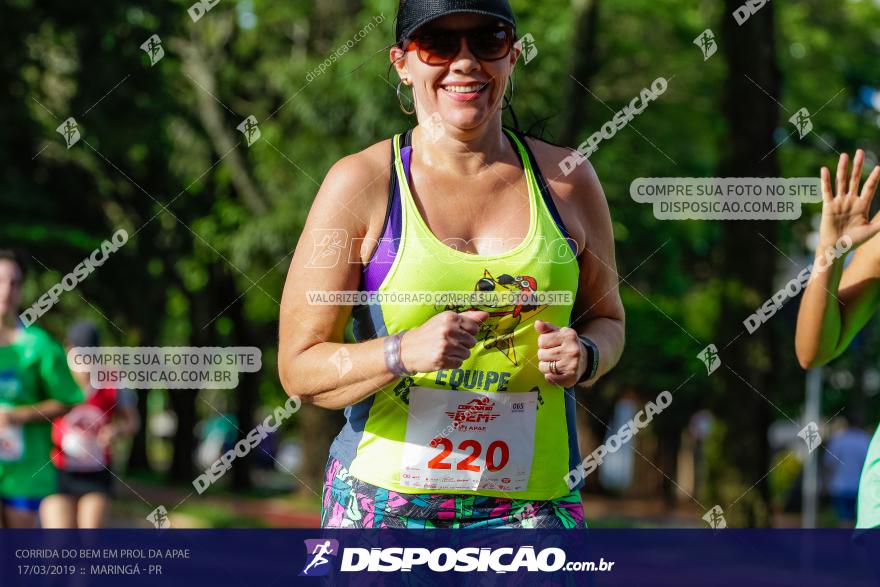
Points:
[379,265]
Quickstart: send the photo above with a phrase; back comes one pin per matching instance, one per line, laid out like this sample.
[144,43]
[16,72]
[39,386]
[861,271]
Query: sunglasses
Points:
[441,46]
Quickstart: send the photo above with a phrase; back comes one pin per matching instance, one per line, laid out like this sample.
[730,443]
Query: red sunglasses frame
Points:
[412,44]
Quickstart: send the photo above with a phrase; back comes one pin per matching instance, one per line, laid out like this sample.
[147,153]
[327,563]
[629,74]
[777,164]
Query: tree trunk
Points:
[137,458]
[747,268]
[584,66]
[246,393]
[138,461]
[202,306]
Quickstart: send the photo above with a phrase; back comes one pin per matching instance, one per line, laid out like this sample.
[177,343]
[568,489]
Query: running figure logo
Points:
[70,131]
[250,130]
[715,518]
[497,331]
[710,358]
[801,120]
[328,245]
[316,562]
[706,43]
[159,518]
[153,48]
[810,434]
[528,48]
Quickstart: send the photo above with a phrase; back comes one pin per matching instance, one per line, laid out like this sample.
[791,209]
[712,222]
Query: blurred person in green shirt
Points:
[36,386]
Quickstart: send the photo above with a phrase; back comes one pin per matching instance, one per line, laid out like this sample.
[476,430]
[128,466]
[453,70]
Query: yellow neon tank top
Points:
[495,426]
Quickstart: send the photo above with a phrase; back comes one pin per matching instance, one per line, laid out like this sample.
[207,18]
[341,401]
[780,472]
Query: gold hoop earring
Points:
[400,101]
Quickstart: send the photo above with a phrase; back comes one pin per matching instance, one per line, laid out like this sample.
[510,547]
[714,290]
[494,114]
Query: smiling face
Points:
[10,287]
[467,92]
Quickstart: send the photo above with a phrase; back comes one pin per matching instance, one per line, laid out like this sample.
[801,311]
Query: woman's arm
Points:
[126,419]
[327,258]
[598,310]
[837,303]
[44,411]
[341,232]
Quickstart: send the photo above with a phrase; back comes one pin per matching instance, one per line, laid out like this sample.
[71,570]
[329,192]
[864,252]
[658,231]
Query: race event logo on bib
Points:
[475,411]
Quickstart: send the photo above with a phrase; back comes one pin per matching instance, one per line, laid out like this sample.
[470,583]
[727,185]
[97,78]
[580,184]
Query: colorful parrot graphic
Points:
[498,330]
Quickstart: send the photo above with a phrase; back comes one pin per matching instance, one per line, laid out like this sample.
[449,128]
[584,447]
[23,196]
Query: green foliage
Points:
[150,161]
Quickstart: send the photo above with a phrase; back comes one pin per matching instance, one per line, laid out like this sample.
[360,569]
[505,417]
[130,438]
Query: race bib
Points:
[467,440]
[82,452]
[11,444]
[79,442]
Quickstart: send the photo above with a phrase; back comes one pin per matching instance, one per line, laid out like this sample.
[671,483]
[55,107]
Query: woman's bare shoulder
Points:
[568,175]
[360,174]
[574,186]
[357,184]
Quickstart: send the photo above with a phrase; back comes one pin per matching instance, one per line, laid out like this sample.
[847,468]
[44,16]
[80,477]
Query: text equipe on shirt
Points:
[473,379]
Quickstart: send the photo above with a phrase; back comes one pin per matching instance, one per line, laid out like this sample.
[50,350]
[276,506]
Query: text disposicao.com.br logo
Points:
[441,560]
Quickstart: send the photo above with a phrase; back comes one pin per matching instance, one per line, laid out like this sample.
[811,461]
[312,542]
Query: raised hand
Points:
[844,210]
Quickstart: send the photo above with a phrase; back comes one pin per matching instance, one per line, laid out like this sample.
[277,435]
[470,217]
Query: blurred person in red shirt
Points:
[82,441]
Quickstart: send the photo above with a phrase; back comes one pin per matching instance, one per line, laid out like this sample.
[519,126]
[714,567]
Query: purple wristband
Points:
[392,355]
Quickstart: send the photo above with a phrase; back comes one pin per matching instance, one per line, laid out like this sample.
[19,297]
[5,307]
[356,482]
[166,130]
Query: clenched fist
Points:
[443,342]
[561,347]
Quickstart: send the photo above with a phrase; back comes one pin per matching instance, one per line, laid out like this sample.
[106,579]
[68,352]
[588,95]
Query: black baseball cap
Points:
[413,14]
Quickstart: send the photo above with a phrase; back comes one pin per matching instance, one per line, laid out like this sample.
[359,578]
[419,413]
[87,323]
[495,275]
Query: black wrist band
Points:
[592,358]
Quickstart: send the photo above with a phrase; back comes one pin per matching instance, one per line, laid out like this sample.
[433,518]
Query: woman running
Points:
[460,413]
[837,303]
[35,387]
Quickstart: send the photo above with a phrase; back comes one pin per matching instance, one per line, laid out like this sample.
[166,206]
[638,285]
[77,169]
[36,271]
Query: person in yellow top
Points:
[490,292]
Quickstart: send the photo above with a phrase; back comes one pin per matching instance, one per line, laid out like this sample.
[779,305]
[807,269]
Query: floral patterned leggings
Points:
[350,503]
